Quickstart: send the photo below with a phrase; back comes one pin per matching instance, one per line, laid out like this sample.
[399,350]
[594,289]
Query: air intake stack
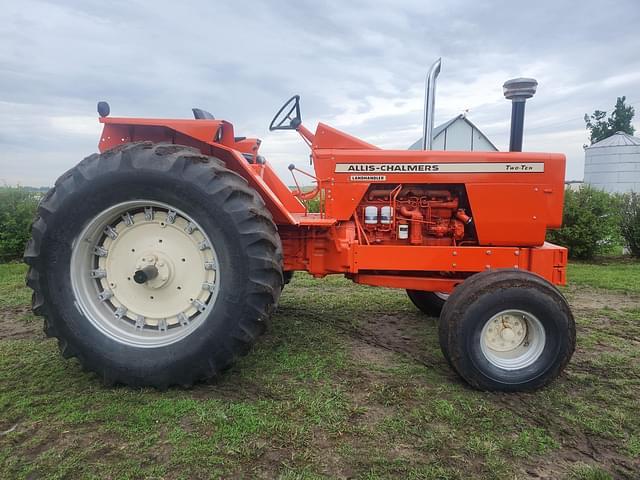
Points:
[518,90]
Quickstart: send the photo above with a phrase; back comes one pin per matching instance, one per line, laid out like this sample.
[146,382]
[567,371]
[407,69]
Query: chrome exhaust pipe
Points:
[429,104]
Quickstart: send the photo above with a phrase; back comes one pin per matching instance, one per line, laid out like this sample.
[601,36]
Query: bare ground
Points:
[15,324]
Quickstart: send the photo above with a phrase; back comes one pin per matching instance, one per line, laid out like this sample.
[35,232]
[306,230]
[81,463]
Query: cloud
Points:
[358,65]
[76,125]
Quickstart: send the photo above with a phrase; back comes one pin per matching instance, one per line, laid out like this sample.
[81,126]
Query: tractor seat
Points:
[200,114]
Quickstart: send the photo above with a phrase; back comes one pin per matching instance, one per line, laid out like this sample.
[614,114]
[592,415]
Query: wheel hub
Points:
[506,332]
[153,271]
[512,339]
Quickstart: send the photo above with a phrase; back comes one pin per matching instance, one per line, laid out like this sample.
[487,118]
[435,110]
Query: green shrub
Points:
[17,209]
[630,221]
[313,205]
[589,224]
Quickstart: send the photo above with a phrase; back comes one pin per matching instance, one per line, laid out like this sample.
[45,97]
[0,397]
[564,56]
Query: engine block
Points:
[415,215]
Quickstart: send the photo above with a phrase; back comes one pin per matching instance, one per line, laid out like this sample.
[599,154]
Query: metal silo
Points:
[613,164]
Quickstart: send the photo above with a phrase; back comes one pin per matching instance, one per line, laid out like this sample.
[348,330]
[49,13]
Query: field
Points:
[348,383]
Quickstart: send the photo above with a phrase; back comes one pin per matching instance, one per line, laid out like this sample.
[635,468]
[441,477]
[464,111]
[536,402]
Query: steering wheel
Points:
[291,106]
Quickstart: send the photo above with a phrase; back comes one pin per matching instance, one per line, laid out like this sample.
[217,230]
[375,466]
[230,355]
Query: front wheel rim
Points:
[157,308]
[512,339]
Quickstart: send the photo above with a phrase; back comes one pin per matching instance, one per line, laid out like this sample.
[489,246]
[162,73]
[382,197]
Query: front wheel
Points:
[430,303]
[507,330]
[154,265]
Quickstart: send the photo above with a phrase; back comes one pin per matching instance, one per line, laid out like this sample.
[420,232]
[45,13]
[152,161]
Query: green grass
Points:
[589,472]
[349,382]
[613,274]
[13,292]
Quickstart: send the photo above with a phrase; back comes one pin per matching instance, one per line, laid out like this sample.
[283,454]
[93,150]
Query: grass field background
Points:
[348,383]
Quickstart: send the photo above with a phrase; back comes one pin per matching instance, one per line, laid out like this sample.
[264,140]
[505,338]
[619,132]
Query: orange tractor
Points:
[160,260]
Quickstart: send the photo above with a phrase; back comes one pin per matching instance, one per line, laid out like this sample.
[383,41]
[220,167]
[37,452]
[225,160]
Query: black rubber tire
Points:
[443,331]
[233,216]
[427,302]
[483,295]
[288,275]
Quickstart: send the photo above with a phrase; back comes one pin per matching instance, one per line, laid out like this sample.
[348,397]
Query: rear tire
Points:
[430,303]
[212,286]
[507,330]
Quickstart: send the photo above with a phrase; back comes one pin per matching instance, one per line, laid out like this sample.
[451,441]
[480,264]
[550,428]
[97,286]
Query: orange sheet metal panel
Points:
[510,214]
[548,261]
[281,190]
[348,174]
[202,130]
[436,258]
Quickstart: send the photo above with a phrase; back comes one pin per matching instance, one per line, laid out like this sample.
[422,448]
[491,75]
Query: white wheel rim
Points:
[442,296]
[131,236]
[512,339]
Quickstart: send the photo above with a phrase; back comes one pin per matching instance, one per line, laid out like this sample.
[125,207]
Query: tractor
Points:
[160,260]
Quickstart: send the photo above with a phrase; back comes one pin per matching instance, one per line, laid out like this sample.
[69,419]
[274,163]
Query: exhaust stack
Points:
[518,90]
[429,104]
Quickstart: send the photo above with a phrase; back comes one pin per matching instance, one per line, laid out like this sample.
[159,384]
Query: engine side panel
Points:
[514,197]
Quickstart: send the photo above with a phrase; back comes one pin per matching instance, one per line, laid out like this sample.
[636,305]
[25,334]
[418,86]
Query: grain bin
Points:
[613,164]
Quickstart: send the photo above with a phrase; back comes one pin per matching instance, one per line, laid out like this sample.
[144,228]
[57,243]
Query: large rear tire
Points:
[507,330]
[154,265]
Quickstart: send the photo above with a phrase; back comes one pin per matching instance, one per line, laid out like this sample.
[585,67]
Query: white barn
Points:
[613,164]
[458,134]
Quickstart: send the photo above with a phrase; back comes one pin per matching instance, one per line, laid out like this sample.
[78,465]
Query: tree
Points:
[619,121]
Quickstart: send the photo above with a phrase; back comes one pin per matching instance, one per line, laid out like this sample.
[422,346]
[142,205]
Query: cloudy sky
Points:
[358,66]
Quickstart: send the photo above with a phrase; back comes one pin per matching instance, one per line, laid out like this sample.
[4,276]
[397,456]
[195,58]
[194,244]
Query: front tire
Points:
[430,303]
[507,330]
[154,265]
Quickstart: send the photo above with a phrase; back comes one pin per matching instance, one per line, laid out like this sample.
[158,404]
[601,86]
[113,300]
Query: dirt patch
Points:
[368,351]
[400,334]
[587,450]
[228,388]
[13,325]
[585,298]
